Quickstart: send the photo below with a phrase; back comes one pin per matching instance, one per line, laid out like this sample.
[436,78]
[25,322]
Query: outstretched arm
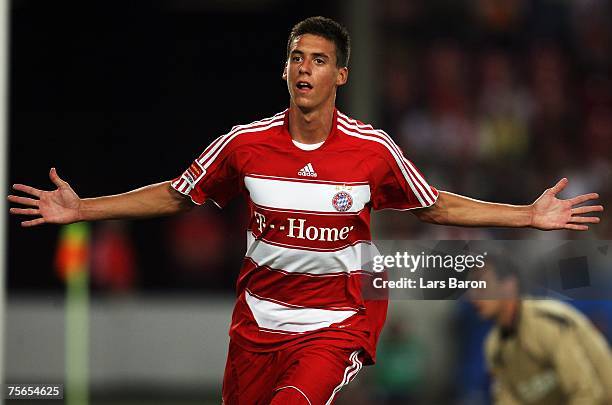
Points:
[63,205]
[546,213]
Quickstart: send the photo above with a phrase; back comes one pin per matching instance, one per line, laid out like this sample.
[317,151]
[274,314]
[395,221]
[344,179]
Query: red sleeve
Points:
[398,184]
[213,176]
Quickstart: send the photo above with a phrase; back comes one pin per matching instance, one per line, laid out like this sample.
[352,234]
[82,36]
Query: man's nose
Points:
[305,66]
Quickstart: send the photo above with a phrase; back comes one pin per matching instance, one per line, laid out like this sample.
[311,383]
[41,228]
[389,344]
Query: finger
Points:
[587,209]
[23,200]
[585,220]
[582,198]
[575,227]
[55,178]
[27,189]
[24,211]
[33,222]
[559,186]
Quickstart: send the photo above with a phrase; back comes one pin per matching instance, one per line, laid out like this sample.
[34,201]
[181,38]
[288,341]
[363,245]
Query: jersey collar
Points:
[330,137]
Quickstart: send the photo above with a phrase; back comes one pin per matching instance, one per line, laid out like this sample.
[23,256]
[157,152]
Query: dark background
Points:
[120,94]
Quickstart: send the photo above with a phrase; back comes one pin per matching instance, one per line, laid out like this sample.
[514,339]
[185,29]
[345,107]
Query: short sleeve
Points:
[397,183]
[213,176]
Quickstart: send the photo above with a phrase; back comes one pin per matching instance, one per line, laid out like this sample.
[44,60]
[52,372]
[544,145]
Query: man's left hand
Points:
[550,212]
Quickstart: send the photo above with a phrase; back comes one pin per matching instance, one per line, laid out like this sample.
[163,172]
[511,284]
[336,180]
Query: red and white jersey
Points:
[309,226]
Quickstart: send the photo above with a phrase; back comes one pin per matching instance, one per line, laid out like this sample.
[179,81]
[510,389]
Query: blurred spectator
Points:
[504,109]
[500,15]
[443,130]
[598,134]
[590,20]
[113,261]
[555,133]
[199,243]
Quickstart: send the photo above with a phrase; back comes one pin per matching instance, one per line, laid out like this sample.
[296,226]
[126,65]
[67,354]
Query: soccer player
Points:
[540,352]
[301,328]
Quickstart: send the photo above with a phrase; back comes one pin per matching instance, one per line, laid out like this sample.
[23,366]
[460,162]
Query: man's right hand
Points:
[60,206]
[63,205]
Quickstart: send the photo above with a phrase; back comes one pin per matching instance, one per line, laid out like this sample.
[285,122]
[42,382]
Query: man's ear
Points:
[284,76]
[342,76]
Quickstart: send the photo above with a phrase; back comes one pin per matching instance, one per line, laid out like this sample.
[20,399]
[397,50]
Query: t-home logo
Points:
[298,228]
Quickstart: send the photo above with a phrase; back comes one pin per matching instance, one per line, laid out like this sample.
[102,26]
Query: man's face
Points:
[311,72]
[488,309]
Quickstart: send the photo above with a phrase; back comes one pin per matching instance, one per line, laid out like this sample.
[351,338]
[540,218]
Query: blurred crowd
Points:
[494,99]
[499,99]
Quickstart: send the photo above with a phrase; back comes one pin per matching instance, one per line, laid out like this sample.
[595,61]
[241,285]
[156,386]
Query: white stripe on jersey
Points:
[286,318]
[209,155]
[413,177]
[302,196]
[207,163]
[349,372]
[181,185]
[184,185]
[337,183]
[297,389]
[424,199]
[414,171]
[178,184]
[424,203]
[289,260]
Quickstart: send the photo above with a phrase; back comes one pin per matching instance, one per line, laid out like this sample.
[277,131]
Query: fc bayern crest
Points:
[342,201]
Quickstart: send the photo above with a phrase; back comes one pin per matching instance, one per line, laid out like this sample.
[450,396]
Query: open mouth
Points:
[303,86]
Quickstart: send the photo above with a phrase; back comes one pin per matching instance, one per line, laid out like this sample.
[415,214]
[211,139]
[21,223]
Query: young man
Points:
[540,352]
[301,329]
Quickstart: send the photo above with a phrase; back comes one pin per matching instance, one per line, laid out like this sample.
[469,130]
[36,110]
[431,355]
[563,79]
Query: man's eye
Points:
[296,59]
[319,61]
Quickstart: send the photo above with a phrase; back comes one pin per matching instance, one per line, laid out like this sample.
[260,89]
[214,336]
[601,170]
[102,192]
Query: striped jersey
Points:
[309,227]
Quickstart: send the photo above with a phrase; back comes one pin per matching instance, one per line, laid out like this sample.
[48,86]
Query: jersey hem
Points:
[350,342]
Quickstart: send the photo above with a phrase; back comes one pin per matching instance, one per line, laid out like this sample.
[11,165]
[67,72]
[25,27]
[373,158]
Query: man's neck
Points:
[311,126]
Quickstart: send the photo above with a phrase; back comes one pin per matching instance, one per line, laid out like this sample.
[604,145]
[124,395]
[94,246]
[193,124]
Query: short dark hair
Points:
[328,29]
[505,268]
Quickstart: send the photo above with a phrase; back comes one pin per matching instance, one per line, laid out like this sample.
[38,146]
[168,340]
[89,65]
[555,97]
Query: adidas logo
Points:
[307,171]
